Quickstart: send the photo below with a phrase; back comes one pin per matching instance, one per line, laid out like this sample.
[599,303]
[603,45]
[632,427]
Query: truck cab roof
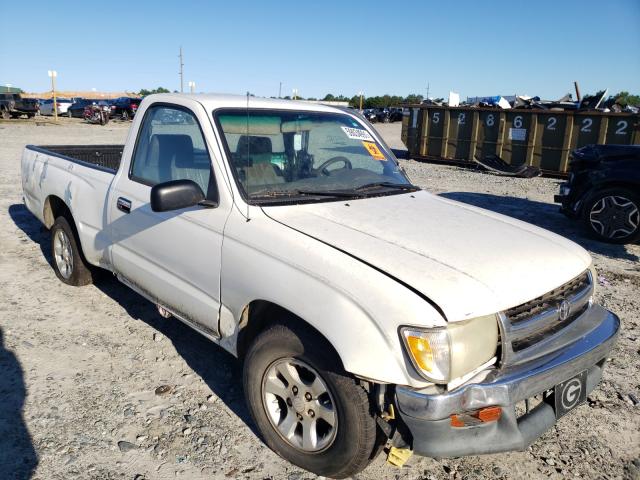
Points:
[213,101]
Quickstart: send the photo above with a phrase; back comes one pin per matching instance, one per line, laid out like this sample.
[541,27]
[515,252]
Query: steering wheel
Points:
[323,168]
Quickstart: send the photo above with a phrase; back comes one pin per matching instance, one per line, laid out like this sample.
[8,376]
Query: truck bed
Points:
[102,157]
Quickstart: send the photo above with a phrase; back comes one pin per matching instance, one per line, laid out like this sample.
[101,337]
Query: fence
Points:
[543,138]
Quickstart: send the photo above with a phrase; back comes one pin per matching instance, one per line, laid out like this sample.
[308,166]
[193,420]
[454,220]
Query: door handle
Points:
[124,205]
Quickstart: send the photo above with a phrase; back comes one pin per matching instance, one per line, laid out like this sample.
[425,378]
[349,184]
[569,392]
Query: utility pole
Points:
[295,93]
[53,74]
[181,73]
[280,91]
[427,90]
[361,94]
[192,86]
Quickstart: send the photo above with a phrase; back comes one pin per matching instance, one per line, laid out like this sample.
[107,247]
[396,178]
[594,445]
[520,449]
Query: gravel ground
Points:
[95,384]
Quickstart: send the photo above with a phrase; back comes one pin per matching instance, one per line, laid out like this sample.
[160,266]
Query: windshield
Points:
[276,154]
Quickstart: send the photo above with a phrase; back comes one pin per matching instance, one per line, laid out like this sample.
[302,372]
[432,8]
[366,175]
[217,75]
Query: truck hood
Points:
[467,260]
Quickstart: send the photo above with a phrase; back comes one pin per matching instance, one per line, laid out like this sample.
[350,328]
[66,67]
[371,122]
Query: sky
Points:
[342,47]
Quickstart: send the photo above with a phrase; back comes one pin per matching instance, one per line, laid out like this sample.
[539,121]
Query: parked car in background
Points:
[603,191]
[12,105]
[124,107]
[76,110]
[63,105]
[383,115]
[370,115]
[395,114]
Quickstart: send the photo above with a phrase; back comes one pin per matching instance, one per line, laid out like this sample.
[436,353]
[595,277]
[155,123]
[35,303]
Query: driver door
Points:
[173,257]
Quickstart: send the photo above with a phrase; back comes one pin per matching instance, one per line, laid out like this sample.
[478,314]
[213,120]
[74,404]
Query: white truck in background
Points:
[365,309]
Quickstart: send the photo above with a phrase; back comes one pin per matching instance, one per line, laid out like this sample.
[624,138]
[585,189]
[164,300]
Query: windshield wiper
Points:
[398,186]
[356,192]
[311,193]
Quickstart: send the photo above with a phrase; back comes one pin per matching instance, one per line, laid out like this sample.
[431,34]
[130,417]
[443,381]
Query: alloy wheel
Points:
[63,254]
[614,217]
[299,405]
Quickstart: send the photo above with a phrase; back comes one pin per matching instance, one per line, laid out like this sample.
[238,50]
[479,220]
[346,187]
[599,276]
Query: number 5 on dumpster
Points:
[373,150]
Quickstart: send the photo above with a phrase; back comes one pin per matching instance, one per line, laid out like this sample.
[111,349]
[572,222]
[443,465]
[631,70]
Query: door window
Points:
[171,146]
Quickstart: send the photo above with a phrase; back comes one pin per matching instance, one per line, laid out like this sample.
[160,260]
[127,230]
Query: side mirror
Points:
[175,194]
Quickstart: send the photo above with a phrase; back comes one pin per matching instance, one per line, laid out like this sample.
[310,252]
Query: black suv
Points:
[603,191]
[12,105]
[124,107]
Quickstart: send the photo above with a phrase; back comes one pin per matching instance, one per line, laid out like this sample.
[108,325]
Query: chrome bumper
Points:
[427,415]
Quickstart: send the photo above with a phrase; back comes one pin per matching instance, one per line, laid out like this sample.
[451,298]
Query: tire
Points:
[341,450]
[613,215]
[68,261]
[69,114]
[125,115]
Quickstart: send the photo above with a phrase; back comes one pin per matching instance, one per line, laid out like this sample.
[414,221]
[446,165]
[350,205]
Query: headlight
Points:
[446,353]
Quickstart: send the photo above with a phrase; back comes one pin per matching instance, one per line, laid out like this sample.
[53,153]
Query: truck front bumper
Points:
[427,415]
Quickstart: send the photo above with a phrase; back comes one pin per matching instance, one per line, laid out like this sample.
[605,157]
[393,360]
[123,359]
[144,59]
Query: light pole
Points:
[53,74]
[361,94]
[192,86]
[181,71]
[295,93]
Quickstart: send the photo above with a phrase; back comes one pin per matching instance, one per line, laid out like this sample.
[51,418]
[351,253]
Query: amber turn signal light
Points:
[485,415]
[490,414]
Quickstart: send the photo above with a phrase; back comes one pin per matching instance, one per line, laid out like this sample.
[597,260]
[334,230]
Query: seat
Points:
[259,149]
[260,171]
[171,157]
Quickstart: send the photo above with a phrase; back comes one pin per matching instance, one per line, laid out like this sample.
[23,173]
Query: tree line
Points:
[368,102]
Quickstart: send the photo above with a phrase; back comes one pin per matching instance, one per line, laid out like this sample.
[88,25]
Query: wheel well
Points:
[258,315]
[55,207]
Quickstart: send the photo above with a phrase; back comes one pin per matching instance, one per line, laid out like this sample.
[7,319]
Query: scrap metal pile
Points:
[598,102]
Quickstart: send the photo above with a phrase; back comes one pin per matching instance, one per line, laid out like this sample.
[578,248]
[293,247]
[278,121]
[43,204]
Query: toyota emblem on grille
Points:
[564,307]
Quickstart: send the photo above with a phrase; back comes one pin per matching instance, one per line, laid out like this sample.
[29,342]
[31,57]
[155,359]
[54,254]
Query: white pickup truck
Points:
[366,310]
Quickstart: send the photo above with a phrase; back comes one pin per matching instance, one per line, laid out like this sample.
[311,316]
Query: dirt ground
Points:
[80,367]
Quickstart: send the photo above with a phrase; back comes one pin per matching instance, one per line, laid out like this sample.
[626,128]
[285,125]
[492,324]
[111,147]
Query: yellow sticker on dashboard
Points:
[373,150]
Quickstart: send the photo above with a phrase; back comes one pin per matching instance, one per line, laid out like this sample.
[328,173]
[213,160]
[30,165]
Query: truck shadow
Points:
[30,225]
[545,215]
[18,457]
[221,371]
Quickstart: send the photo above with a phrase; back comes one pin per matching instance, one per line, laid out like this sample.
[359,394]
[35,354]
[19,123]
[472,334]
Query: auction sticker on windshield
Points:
[357,134]
[373,150]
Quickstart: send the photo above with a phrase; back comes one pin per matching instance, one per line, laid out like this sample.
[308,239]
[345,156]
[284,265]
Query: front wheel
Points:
[307,408]
[68,260]
[613,215]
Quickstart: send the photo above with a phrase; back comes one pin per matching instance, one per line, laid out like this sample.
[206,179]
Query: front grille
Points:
[548,300]
[537,337]
[538,327]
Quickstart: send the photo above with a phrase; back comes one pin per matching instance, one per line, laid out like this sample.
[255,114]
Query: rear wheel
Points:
[68,260]
[308,409]
[613,215]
